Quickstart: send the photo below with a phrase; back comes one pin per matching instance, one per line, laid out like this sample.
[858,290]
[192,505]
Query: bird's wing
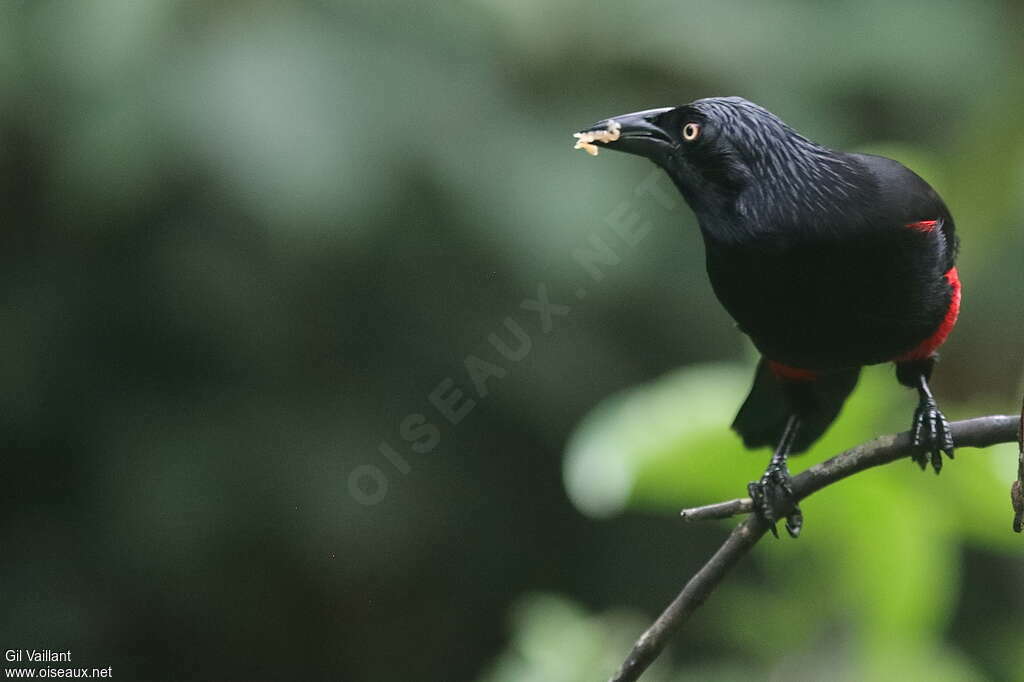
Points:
[916,206]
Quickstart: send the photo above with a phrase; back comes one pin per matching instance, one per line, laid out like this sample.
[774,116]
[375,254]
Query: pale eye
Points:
[691,131]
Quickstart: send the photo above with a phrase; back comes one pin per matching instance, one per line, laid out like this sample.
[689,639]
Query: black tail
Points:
[763,416]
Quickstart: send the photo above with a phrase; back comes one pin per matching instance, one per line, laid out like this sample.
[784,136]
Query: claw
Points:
[930,435]
[771,493]
[921,460]
[947,442]
[794,522]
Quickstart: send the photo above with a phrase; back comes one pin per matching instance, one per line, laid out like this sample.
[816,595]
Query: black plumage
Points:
[829,261]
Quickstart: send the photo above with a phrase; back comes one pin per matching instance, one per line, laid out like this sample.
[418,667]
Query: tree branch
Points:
[1017,489]
[980,432]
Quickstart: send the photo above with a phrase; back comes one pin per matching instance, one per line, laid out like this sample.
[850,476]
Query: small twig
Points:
[977,433]
[718,510]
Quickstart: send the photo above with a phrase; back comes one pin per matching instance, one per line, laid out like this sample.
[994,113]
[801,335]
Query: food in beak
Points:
[585,141]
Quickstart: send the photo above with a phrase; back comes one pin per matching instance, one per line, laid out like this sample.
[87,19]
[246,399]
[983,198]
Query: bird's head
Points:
[716,148]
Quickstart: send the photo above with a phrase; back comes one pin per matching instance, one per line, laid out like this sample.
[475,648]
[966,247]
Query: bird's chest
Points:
[778,293]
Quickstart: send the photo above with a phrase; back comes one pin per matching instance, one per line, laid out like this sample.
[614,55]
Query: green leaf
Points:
[650,444]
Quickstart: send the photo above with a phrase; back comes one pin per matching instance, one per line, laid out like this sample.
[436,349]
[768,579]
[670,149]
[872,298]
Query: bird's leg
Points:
[929,431]
[774,492]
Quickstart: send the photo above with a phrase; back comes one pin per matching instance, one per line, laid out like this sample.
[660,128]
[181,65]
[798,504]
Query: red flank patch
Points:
[931,344]
[923,225]
[787,373]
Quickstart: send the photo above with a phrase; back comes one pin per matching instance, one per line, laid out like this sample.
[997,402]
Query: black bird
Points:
[829,261]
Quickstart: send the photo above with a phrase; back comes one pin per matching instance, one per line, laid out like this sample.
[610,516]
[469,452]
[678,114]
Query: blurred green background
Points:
[254,252]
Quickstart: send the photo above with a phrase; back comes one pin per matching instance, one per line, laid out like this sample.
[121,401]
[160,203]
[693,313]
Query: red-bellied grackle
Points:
[829,261]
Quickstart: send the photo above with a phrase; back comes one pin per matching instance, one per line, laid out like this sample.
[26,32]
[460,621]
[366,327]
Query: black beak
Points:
[639,133]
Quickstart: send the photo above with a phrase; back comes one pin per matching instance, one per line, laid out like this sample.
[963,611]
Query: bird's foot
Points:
[773,496]
[930,436]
